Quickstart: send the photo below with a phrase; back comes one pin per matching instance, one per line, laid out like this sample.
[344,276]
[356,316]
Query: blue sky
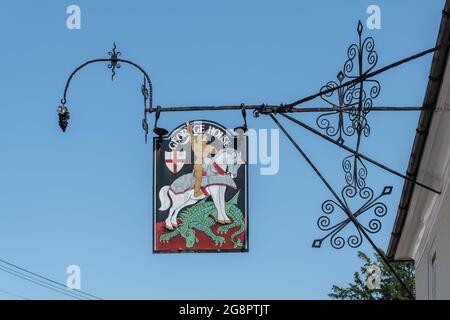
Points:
[85,197]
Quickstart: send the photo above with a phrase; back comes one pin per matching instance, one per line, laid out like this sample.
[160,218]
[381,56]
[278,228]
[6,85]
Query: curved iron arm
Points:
[114,62]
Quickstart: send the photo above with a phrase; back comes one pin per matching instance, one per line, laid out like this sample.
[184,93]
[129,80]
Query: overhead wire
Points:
[46,282]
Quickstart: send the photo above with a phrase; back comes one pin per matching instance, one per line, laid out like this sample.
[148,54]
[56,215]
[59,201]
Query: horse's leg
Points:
[214,191]
[177,202]
[222,190]
[168,223]
[188,200]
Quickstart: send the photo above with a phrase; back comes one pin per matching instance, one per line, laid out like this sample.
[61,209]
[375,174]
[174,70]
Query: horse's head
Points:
[230,160]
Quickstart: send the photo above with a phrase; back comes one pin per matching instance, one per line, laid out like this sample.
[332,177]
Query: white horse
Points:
[225,163]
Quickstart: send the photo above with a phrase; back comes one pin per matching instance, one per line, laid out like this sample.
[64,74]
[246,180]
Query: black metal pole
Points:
[357,153]
[367,75]
[276,108]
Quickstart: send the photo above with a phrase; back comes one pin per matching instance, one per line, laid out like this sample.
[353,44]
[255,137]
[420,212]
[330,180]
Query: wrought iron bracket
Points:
[114,62]
[346,116]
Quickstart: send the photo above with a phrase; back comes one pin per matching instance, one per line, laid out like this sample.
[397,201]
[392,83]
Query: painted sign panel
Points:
[200,190]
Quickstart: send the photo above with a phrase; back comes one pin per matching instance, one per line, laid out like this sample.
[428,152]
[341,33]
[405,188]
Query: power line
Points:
[12,294]
[38,282]
[45,281]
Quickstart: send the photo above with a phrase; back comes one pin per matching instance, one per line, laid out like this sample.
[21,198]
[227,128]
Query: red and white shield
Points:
[175,160]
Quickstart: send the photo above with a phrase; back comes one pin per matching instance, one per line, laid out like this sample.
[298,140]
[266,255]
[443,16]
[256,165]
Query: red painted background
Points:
[205,243]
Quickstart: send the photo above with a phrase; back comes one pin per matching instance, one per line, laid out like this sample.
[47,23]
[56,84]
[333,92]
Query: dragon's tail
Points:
[234,239]
[164,198]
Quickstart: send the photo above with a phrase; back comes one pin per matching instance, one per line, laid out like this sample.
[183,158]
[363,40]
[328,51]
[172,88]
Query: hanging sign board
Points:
[200,190]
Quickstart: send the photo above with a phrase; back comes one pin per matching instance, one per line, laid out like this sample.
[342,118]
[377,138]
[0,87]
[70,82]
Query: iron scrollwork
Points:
[371,204]
[353,100]
[114,60]
[352,104]
[340,106]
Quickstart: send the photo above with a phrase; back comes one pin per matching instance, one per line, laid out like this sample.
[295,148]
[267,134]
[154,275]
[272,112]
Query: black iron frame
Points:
[351,103]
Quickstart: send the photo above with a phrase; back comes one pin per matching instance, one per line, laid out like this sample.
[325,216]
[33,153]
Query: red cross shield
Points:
[175,160]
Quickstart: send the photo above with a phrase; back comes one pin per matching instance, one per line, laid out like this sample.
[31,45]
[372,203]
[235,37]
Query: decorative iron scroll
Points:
[352,105]
[114,60]
[371,205]
[355,101]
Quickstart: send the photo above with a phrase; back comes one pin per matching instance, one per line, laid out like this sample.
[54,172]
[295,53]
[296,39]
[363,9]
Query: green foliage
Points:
[389,289]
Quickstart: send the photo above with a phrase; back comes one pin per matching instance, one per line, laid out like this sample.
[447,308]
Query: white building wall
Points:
[431,251]
[438,245]
[421,281]
[427,227]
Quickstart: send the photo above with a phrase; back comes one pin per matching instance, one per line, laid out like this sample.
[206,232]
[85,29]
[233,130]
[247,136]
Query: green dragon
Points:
[202,216]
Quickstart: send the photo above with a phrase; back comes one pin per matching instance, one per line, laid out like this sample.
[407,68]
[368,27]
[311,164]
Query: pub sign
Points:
[200,190]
